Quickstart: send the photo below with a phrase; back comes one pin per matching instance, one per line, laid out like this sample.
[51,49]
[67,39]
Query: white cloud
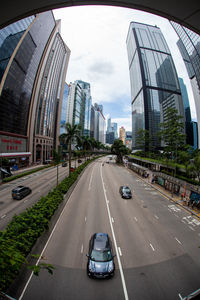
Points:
[125,122]
[96,36]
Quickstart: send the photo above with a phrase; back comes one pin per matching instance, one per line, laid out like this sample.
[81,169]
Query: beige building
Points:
[122,134]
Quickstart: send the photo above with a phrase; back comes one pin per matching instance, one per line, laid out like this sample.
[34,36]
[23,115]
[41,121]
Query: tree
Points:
[56,159]
[119,149]
[72,135]
[171,132]
[86,144]
[144,140]
[193,169]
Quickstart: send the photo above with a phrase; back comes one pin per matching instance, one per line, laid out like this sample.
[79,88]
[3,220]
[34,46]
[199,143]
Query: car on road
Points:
[20,192]
[125,192]
[100,256]
[47,162]
[72,169]
[64,164]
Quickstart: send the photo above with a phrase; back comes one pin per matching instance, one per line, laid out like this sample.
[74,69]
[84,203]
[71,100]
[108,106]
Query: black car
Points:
[64,164]
[20,192]
[100,257]
[125,192]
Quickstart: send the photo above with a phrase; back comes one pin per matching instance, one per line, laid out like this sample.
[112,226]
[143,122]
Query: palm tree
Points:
[86,143]
[56,160]
[72,134]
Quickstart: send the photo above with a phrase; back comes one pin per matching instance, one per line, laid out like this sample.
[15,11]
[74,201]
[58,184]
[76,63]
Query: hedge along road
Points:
[40,183]
[23,231]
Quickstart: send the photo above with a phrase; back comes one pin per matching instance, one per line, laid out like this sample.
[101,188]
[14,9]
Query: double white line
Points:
[115,243]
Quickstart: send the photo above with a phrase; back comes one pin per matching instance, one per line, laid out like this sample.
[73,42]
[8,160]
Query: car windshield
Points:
[126,190]
[98,255]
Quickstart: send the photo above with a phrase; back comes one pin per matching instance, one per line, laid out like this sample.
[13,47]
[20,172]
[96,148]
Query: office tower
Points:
[114,129]
[122,134]
[189,126]
[111,132]
[97,123]
[79,106]
[88,102]
[109,126]
[128,139]
[33,64]
[189,46]
[153,78]
[63,119]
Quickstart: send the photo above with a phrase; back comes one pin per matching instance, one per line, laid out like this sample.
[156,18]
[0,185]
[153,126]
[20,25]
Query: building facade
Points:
[189,126]
[122,134]
[79,106]
[153,78]
[97,123]
[128,140]
[31,87]
[111,132]
[63,119]
[189,46]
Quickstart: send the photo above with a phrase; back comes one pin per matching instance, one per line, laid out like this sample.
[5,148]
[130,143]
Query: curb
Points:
[169,197]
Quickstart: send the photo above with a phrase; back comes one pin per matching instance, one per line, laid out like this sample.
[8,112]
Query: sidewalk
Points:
[173,197]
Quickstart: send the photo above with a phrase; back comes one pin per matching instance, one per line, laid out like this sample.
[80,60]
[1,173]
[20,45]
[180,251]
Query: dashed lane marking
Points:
[152,247]
[178,241]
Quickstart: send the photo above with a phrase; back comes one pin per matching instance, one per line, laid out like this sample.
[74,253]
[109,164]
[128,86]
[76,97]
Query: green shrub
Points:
[20,235]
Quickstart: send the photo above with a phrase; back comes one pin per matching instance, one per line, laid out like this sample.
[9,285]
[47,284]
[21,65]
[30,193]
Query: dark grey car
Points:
[125,192]
[20,192]
[100,257]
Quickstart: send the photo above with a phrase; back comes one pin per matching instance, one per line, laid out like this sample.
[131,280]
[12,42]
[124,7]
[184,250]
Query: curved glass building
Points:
[33,64]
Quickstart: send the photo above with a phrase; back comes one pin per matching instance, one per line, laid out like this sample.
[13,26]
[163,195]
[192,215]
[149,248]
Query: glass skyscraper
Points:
[153,78]
[63,119]
[88,102]
[189,46]
[79,105]
[33,64]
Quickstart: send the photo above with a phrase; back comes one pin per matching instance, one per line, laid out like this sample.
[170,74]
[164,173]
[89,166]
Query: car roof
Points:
[18,188]
[101,241]
[125,187]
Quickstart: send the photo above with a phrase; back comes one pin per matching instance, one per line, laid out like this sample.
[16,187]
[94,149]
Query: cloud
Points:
[96,36]
[102,67]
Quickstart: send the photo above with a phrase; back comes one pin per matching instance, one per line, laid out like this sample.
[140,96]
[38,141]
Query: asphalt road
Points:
[156,242]
[40,182]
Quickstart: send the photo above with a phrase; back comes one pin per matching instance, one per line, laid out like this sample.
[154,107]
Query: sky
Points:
[96,36]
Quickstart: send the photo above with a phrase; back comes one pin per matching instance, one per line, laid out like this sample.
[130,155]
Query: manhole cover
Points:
[144,206]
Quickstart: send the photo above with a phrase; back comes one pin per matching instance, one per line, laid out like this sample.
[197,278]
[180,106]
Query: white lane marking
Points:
[25,200]
[112,220]
[178,241]
[156,217]
[135,219]
[176,216]
[191,228]
[115,243]
[89,187]
[85,219]
[3,216]
[120,252]
[192,221]
[28,281]
[174,208]
[82,248]
[152,247]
